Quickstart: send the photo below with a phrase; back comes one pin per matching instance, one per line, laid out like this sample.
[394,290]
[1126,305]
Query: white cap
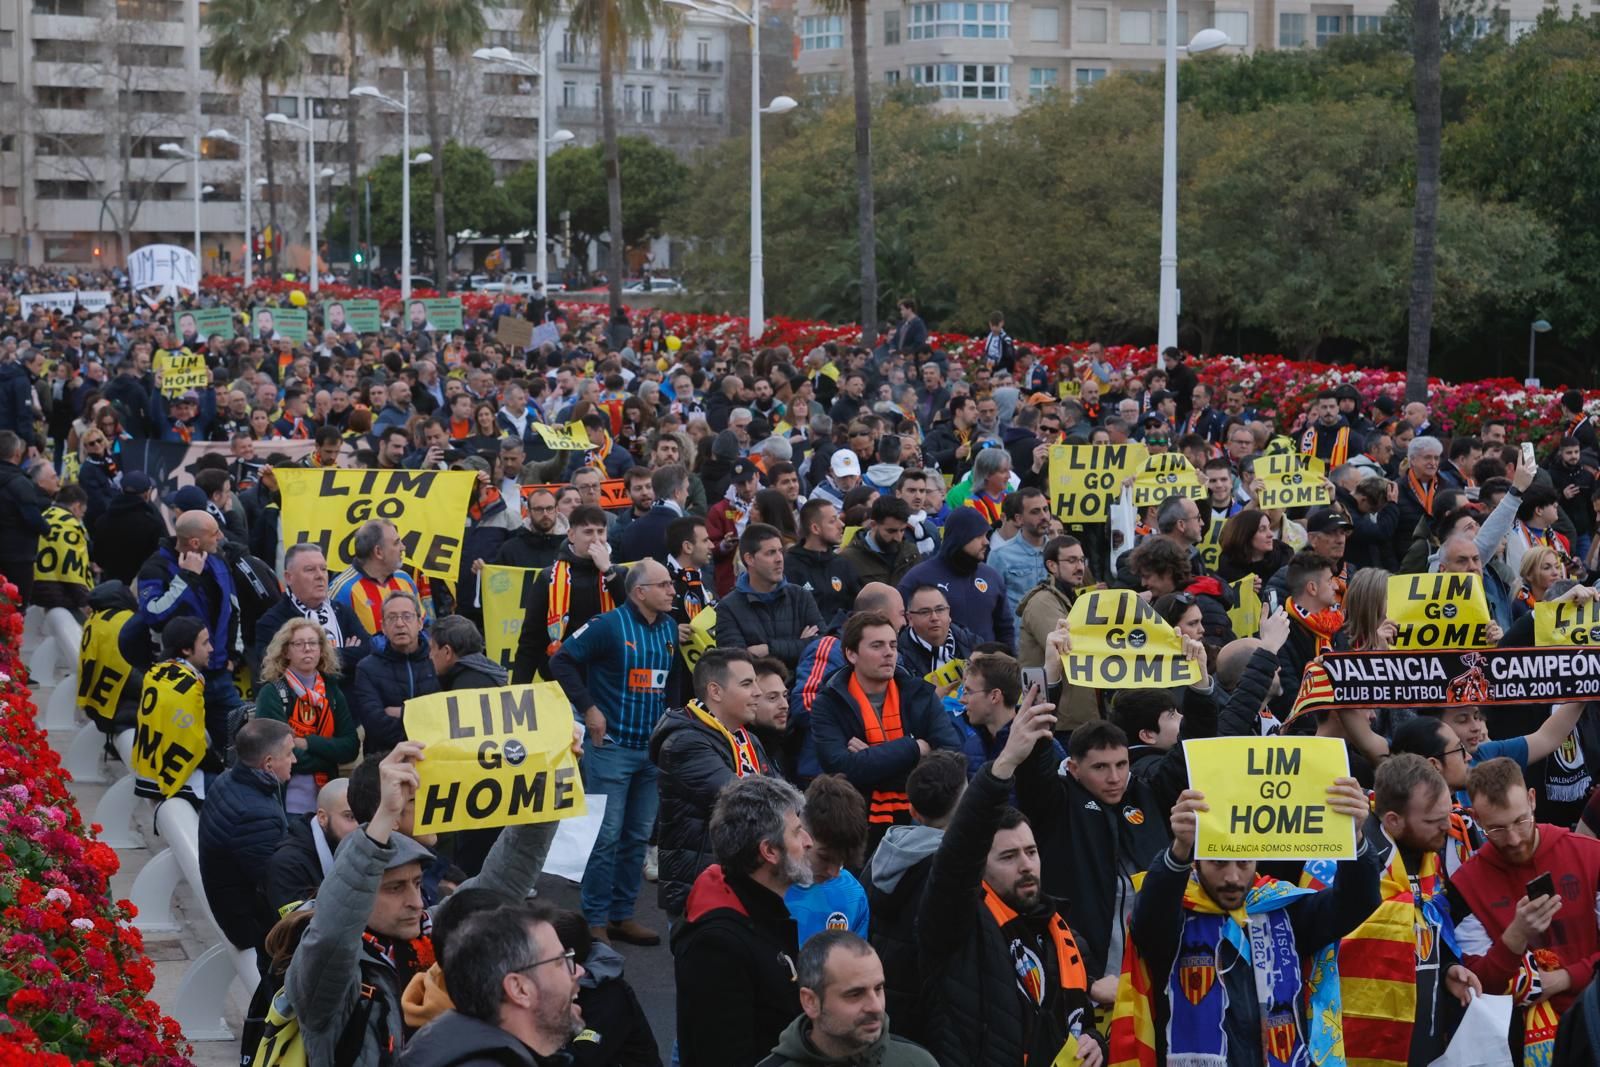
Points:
[845,464]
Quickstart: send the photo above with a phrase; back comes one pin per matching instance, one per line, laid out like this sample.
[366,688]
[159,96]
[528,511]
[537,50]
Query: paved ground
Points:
[649,969]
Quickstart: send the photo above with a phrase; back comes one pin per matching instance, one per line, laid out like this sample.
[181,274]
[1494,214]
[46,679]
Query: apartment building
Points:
[990,57]
[92,91]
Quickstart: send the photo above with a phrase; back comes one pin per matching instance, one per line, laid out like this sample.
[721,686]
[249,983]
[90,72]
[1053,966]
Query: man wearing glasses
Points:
[932,639]
[1510,927]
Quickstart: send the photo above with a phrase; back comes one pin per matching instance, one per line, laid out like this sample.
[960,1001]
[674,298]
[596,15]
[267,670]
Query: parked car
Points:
[655,285]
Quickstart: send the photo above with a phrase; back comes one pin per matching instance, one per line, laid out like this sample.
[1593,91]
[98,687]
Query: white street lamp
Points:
[174,149]
[1535,328]
[724,9]
[402,105]
[1206,40]
[280,119]
[421,158]
[249,252]
[503,58]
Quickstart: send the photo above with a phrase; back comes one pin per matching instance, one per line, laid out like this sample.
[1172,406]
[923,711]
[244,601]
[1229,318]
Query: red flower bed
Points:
[73,973]
[1277,387]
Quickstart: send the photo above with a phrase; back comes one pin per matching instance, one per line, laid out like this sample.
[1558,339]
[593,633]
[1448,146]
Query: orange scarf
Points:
[885,805]
[559,610]
[1070,971]
[486,499]
[1323,624]
[312,714]
[746,760]
[1341,445]
[1425,499]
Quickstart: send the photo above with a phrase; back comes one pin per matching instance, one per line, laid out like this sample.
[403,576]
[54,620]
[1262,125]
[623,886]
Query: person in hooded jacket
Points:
[580,584]
[881,551]
[697,750]
[397,669]
[537,544]
[976,591]
[616,1032]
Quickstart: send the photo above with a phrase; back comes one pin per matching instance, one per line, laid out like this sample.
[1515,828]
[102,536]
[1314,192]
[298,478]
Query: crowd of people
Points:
[884,827]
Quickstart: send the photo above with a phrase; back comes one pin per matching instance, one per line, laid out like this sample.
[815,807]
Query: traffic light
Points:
[96,251]
[361,255]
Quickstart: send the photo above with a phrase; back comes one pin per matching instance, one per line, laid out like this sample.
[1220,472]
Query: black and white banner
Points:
[1440,678]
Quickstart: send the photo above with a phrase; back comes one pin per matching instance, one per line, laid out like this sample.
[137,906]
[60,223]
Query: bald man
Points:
[305,857]
[1247,669]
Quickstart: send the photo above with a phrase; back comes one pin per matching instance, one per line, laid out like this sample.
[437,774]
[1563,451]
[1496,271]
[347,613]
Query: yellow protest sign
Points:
[1166,474]
[1268,798]
[1118,641]
[1438,611]
[1566,623]
[1085,479]
[569,438]
[102,672]
[1291,480]
[1068,1056]
[63,552]
[170,739]
[181,372]
[1069,389]
[849,535]
[1210,546]
[428,508]
[494,757]
[950,672]
[505,591]
[1245,616]
[702,635]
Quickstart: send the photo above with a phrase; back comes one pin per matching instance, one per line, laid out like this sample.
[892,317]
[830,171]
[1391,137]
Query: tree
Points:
[260,41]
[866,215]
[1425,219]
[476,205]
[419,29]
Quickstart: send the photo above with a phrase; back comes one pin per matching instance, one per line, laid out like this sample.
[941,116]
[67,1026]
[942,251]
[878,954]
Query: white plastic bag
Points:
[1481,1040]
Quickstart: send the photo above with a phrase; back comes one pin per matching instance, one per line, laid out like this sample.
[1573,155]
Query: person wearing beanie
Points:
[976,591]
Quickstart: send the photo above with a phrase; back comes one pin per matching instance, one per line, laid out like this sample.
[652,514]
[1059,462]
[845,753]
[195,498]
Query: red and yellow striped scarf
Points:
[988,507]
[1322,624]
[746,760]
[559,605]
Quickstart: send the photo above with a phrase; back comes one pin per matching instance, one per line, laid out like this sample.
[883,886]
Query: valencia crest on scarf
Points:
[1196,991]
[746,757]
[596,456]
[559,611]
[1322,624]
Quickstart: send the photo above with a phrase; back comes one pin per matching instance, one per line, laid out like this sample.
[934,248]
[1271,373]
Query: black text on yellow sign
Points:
[1290,480]
[494,757]
[1118,641]
[504,591]
[170,740]
[1566,623]
[102,672]
[63,552]
[428,509]
[1167,474]
[1438,611]
[1268,798]
[1085,479]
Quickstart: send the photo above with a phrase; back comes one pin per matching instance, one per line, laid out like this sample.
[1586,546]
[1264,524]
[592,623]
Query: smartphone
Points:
[1527,452]
[1272,602]
[1542,886]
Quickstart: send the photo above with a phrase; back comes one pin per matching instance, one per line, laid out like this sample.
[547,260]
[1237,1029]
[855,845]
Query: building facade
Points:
[93,89]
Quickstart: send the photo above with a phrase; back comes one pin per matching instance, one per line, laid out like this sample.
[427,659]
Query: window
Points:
[1374,24]
[892,77]
[821,31]
[521,127]
[630,98]
[1291,30]
[219,104]
[65,52]
[1042,80]
[569,94]
[702,51]
[68,98]
[829,83]
[1328,27]
[891,27]
[647,100]
[1236,24]
[326,107]
[674,101]
[1514,29]
[965,81]
[1044,24]
[1084,77]
[1091,25]
[945,19]
[78,8]
[62,190]
[1133,27]
[702,101]
[1159,20]
[68,144]
[288,106]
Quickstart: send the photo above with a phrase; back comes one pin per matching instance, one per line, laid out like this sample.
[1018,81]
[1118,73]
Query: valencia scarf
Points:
[746,759]
[884,805]
[596,456]
[1341,445]
[1423,498]
[312,714]
[1322,624]
[559,606]
[987,506]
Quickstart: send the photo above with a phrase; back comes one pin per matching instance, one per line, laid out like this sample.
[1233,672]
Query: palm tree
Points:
[1425,46]
[866,224]
[340,16]
[417,29]
[612,23]
[260,41]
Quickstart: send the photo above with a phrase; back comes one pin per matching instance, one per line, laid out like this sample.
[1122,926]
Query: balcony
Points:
[706,67]
[578,60]
[699,120]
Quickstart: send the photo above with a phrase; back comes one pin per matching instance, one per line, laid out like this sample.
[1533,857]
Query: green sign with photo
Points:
[362,316]
[214,320]
[275,323]
[436,313]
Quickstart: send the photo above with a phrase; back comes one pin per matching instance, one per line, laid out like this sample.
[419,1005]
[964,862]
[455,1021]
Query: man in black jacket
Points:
[456,648]
[734,955]
[129,531]
[241,825]
[22,519]
[697,750]
[764,613]
[536,544]
[815,564]
[872,723]
[305,572]
[585,584]
[305,857]
[985,924]
[950,443]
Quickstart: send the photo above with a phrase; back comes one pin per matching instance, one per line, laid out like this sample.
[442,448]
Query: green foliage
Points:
[653,178]
[475,202]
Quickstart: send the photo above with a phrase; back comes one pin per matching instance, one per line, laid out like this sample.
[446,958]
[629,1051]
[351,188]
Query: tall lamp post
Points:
[1205,41]
[1535,328]
[177,150]
[502,58]
[244,146]
[402,105]
[280,119]
[725,10]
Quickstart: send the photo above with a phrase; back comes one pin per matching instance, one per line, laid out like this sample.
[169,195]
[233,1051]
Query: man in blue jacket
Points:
[976,592]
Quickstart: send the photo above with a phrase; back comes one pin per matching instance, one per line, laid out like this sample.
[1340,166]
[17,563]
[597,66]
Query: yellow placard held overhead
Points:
[1069,388]
[428,508]
[1438,611]
[1167,474]
[1291,480]
[505,591]
[170,739]
[103,673]
[1210,546]
[1245,616]
[494,757]
[569,438]
[1085,479]
[702,635]
[1566,623]
[1118,641]
[63,553]
[181,372]
[1268,798]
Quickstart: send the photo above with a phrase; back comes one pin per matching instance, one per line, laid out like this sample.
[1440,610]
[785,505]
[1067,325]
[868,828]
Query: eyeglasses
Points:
[943,609]
[1496,833]
[1447,753]
[1186,599]
[399,616]
[570,956]
[305,644]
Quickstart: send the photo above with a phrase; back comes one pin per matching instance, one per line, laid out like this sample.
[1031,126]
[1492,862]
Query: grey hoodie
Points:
[887,1051]
[901,849]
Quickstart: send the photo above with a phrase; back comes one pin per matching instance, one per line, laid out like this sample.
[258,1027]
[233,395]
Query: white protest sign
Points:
[32,302]
[166,268]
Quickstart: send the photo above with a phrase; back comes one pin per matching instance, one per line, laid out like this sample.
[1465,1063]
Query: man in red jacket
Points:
[1541,949]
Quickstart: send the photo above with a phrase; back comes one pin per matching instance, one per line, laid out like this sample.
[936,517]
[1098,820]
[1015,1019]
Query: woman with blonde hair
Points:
[298,686]
[1366,610]
[1541,567]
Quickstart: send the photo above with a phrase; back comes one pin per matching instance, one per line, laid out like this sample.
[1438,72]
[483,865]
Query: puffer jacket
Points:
[776,619]
[473,671]
[456,1040]
[693,763]
[528,548]
[826,575]
[387,678]
[242,823]
[16,401]
[872,563]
